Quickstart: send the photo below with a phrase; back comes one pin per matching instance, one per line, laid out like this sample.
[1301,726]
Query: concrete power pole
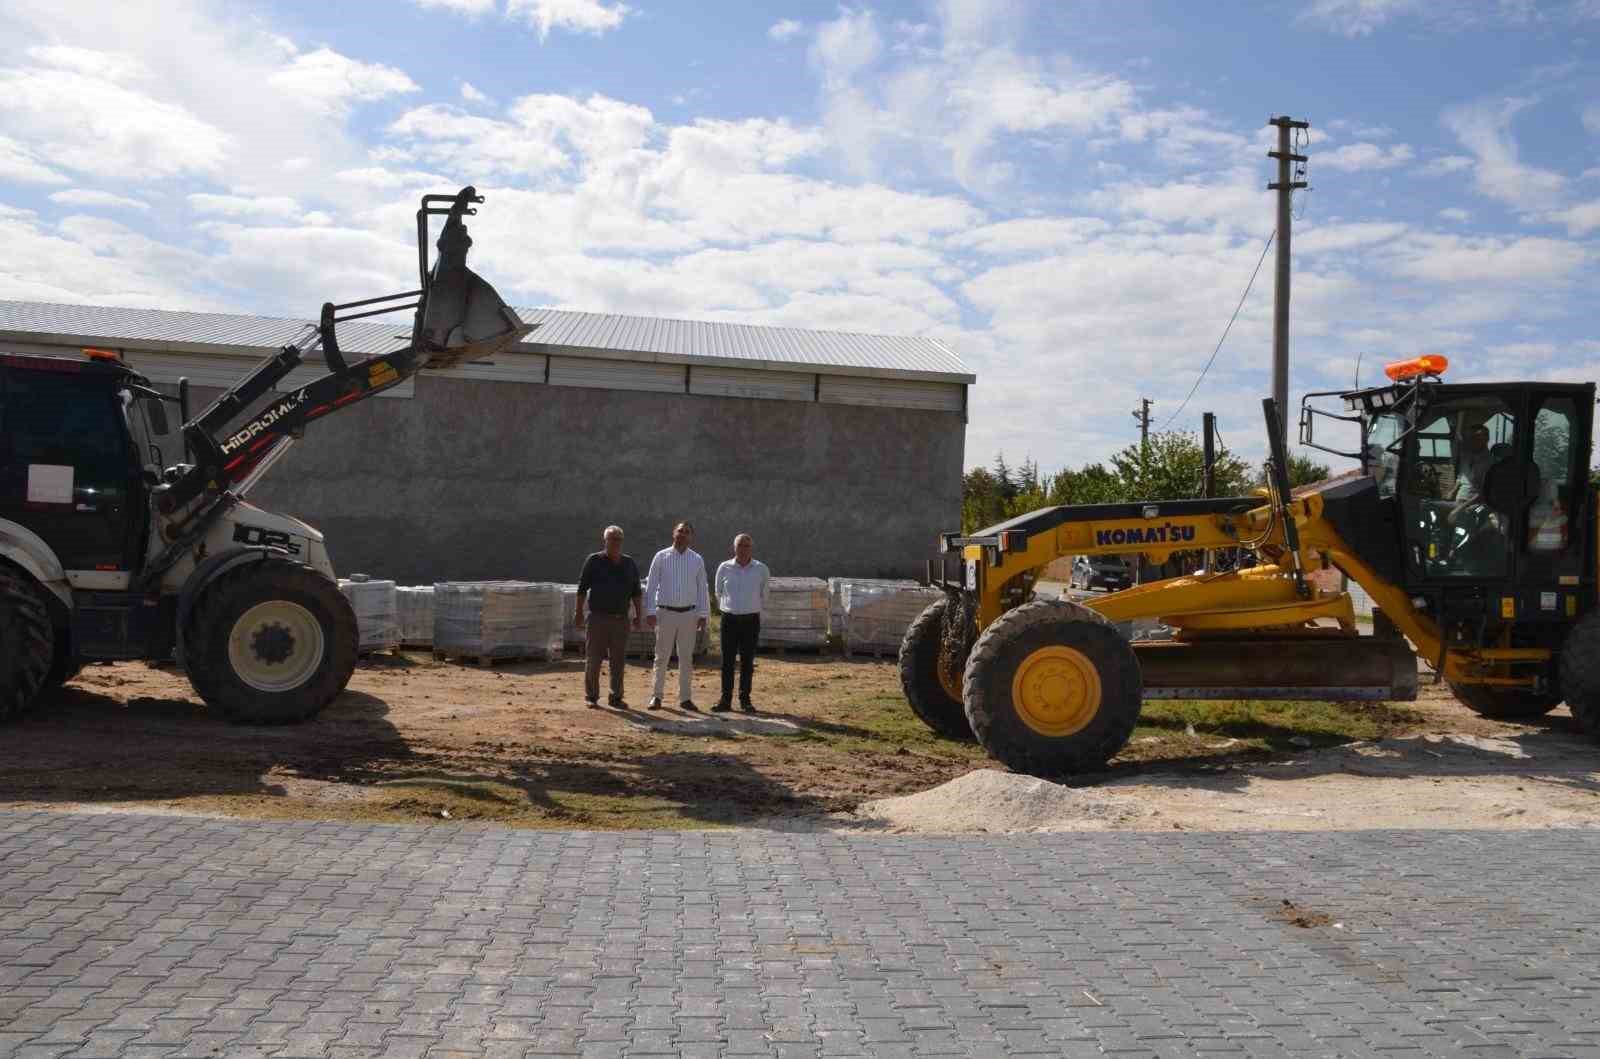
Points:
[1142,414]
[1285,186]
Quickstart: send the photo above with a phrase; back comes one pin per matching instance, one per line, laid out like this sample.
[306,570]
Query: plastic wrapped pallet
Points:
[796,614]
[497,619]
[377,622]
[836,597]
[877,614]
[414,605]
[571,635]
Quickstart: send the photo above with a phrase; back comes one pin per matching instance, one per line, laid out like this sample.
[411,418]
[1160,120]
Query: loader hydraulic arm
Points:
[458,317]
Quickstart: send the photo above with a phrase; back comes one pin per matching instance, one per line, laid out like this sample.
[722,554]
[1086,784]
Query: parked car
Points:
[1110,572]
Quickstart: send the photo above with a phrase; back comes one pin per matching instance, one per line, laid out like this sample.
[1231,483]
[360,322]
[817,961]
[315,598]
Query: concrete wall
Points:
[474,480]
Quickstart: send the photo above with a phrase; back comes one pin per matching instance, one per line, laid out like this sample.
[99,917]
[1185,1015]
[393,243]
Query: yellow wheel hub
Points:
[951,687]
[1056,691]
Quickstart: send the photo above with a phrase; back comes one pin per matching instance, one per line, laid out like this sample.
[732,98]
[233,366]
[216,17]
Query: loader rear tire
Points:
[930,700]
[27,643]
[1580,673]
[1505,704]
[272,642]
[1052,688]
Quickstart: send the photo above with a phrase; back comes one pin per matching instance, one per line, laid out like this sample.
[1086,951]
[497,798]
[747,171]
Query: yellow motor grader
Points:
[1470,524]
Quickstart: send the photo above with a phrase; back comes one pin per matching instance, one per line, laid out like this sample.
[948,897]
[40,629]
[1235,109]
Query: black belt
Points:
[679,610]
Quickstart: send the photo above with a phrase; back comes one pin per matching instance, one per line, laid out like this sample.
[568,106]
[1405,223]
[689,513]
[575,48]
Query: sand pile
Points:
[991,800]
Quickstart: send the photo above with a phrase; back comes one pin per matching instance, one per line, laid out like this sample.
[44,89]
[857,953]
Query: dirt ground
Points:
[834,747]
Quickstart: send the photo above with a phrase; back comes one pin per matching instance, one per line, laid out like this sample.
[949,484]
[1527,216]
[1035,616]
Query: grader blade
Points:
[1330,669]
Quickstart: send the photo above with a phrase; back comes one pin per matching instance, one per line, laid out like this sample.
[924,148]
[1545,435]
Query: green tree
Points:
[1171,467]
[1303,470]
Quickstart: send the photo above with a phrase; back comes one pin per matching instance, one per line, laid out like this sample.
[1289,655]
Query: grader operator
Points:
[1471,524]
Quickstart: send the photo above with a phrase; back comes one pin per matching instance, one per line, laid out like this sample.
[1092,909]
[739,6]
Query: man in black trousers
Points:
[741,594]
[609,584]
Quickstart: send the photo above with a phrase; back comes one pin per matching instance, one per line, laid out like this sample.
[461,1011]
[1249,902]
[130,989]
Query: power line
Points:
[1225,330]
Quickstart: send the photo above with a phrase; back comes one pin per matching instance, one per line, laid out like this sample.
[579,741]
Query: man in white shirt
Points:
[676,606]
[741,595]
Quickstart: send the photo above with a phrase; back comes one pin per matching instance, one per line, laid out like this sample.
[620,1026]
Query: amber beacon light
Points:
[1427,364]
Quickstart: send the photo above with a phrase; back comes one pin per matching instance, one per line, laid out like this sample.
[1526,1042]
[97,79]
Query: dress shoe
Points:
[655,702]
[688,704]
[616,703]
[593,704]
[747,706]
[722,706]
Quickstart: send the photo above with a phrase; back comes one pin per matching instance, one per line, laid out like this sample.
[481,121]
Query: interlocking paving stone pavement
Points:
[138,935]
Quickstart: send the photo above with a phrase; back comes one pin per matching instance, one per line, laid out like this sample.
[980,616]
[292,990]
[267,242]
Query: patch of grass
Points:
[441,799]
[1234,727]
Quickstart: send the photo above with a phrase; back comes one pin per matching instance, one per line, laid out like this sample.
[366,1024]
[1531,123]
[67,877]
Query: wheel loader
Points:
[1471,524]
[106,554]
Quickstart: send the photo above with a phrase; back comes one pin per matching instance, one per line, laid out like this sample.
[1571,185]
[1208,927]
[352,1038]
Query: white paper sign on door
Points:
[49,483]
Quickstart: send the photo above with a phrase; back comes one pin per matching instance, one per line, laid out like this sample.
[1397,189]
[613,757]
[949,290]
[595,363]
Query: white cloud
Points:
[1580,219]
[470,8]
[1489,259]
[1455,214]
[1357,18]
[1591,118]
[260,207]
[954,102]
[785,29]
[23,166]
[332,82]
[1325,238]
[578,16]
[471,94]
[89,197]
[95,125]
[1354,157]
[1030,235]
[1442,166]
[1485,130]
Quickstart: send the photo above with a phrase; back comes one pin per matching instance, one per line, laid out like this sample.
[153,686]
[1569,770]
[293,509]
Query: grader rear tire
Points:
[27,643]
[1505,704]
[1580,673]
[931,700]
[272,642]
[1052,688]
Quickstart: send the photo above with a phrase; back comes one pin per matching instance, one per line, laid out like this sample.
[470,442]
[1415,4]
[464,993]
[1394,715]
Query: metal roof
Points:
[560,332]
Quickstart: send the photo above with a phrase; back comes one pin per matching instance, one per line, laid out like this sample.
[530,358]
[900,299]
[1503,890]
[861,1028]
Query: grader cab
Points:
[1470,524]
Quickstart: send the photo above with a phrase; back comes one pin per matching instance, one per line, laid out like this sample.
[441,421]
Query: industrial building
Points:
[841,453]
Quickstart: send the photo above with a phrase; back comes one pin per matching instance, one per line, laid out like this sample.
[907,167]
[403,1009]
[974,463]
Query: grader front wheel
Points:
[1052,688]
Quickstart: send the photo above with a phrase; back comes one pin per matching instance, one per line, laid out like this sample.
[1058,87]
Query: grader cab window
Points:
[1452,529]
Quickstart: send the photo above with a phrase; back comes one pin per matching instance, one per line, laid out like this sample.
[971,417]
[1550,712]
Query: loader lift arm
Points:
[458,317]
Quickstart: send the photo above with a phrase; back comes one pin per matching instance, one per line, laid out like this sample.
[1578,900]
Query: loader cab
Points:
[77,439]
[1488,487]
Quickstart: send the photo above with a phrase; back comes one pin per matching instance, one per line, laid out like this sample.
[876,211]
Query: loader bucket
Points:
[462,317]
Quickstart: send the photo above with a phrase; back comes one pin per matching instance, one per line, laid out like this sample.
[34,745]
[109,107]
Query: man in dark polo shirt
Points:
[609,584]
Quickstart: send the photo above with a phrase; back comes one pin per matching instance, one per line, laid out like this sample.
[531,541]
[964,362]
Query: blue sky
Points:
[1072,194]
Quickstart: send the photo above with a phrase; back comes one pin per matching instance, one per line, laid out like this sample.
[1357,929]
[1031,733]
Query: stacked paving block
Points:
[876,614]
[486,620]
[377,623]
[414,605]
[796,613]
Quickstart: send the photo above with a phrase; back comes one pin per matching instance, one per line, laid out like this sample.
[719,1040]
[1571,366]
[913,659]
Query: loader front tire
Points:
[1580,673]
[931,700]
[1505,704]
[27,642]
[1052,688]
[271,642]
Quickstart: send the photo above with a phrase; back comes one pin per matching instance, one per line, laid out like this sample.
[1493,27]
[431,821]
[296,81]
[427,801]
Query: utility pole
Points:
[1142,414]
[1208,476]
[1285,186]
